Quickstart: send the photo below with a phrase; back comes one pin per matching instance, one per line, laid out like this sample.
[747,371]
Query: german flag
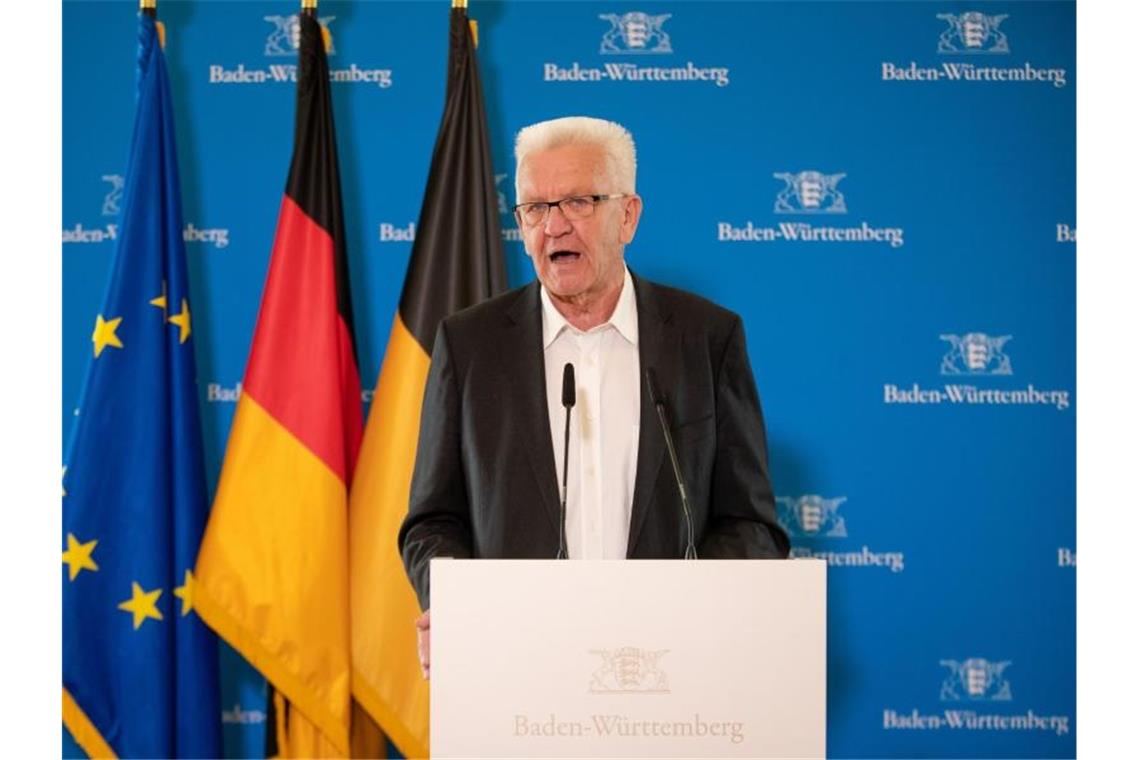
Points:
[272,573]
[456,261]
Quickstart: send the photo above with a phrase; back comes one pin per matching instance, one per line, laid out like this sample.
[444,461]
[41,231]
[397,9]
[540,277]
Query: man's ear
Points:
[631,215]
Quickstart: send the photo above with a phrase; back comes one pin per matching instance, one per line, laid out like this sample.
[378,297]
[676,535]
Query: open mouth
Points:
[564,256]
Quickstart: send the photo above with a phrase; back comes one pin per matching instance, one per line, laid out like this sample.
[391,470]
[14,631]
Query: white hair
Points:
[614,140]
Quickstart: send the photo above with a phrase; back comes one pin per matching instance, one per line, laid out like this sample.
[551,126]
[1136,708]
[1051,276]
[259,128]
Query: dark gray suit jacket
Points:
[485,485]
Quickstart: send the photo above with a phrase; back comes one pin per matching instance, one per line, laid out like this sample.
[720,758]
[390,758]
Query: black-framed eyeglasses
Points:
[573,208]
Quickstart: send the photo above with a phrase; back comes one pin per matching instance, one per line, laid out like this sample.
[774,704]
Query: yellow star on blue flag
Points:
[142,604]
[78,556]
[104,334]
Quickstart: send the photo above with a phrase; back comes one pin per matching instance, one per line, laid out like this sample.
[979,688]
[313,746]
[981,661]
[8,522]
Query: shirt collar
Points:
[624,318]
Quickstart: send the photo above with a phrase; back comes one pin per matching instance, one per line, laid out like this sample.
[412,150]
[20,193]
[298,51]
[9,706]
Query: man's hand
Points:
[423,642]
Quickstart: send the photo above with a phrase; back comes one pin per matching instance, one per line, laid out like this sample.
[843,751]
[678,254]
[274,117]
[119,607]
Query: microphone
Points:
[569,395]
[659,403]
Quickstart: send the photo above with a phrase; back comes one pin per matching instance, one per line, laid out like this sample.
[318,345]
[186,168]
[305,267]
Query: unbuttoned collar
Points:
[624,318]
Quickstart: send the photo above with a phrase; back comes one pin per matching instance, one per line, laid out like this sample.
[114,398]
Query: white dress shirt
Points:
[604,423]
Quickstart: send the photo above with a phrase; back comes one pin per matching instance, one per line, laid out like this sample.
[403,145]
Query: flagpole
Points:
[461,5]
[309,7]
[149,7]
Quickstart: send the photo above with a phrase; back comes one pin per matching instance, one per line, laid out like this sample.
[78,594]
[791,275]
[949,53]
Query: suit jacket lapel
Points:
[525,368]
[657,348]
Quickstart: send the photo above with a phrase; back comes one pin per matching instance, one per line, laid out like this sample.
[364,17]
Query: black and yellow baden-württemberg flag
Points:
[140,670]
[456,261]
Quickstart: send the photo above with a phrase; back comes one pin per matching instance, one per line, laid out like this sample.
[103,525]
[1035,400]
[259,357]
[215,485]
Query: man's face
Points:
[582,257]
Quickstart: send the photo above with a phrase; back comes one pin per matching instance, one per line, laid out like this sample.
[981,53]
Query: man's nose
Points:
[556,222]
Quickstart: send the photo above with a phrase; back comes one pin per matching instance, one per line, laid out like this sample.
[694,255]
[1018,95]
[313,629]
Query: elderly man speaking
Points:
[493,452]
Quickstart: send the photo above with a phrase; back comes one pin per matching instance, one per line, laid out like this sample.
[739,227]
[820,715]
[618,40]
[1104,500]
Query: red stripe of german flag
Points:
[456,261]
[272,573]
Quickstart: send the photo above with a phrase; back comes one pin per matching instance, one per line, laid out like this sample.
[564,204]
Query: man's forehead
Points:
[563,157]
[562,165]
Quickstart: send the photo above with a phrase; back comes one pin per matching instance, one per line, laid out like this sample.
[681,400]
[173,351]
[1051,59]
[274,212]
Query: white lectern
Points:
[628,658]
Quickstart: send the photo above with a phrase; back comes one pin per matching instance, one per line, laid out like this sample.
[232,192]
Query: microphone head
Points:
[651,381]
[569,393]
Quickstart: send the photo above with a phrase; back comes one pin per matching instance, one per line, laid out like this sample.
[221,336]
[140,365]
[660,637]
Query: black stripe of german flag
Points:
[314,173]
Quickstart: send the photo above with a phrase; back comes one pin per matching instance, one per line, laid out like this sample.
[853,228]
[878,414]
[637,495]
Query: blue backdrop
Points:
[884,191]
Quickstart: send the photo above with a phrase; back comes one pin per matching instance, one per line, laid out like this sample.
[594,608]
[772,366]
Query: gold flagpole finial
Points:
[149,7]
[308,5]
[458,3]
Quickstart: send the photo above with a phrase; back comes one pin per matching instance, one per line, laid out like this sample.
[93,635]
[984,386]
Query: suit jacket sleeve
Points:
[742,518]
[438,522]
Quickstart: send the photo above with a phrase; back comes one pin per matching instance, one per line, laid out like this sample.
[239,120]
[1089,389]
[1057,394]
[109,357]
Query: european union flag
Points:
[140,669]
